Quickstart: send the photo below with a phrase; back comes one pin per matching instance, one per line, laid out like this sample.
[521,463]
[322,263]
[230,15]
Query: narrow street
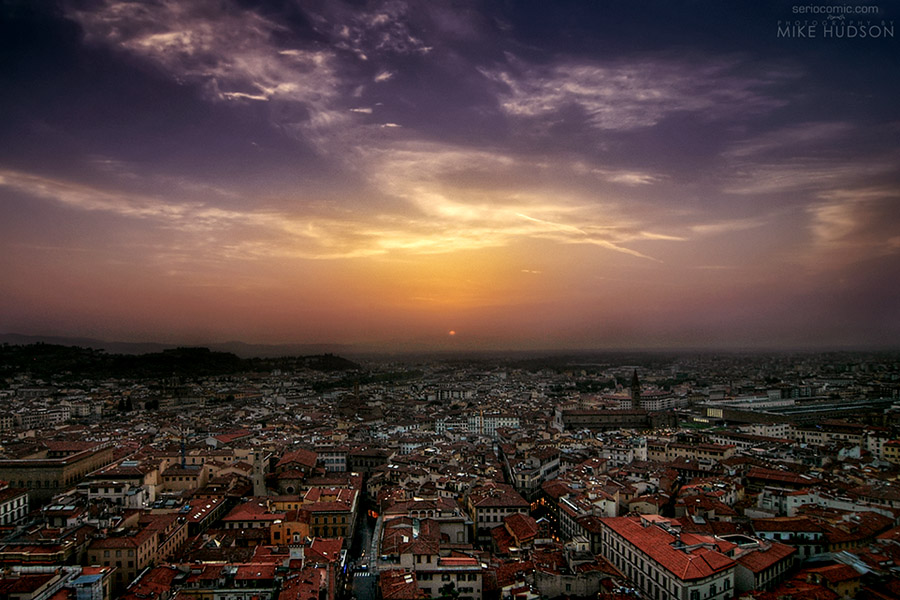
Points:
[365,579]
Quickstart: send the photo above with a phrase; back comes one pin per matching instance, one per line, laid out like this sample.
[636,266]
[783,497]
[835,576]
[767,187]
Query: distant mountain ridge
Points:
[48,361]
[241,349]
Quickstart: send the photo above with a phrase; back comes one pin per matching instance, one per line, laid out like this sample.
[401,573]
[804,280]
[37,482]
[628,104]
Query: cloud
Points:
[630,177]
[730,225]
[232,54]
[369,34]
[440,225]
[626,95]
[481,195]
[810,157]
[805,137]
[855,224]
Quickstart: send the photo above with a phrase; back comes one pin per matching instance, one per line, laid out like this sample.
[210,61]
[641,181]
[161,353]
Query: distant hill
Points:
[48,361]
[240,349]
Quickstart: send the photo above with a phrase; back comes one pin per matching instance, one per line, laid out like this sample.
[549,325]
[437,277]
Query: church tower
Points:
[635,391]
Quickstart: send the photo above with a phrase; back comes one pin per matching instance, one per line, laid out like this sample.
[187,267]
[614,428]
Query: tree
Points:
[448,592]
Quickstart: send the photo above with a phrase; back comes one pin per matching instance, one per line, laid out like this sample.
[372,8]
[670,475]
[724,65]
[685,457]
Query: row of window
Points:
[324,520]
[13,504]
[644,573]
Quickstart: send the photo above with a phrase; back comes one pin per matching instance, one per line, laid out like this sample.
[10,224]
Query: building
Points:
[55,469]
[489,504]
[662,562]
[602,420]
[183,478]
[332,511]
[13,504]
[802,533]
[130,552]
[761,565]
[488,424]
[529,470]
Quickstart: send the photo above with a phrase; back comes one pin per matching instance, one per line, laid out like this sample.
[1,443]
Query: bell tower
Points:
[635,390]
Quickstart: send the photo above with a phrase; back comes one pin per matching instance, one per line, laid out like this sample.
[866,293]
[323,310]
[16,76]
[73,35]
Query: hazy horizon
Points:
[403,175]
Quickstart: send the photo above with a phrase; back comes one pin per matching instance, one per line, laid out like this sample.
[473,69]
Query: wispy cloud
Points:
[852,224]
[437,182]
[620,96]
[812,157]
[730,225]
[234,54]
[804,174]
[385,29]
[803,137]
[631,177]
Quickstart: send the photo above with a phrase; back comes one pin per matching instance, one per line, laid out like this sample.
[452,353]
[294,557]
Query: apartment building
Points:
[332,511]
[664,563]
[129,552]
[13,503]
[489,504]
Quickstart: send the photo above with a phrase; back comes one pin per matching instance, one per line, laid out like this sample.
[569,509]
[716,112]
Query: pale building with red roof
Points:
[761,565]
[663,563]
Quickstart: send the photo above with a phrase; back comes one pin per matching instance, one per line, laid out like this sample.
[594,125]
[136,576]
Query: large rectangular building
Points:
[665,564]
[53,471]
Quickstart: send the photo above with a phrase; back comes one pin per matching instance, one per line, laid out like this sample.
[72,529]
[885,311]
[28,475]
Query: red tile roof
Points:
[306,458]
[497,495]
[399,585]
[325,549]
[834,574]
[655,542]
[760,559]
[522,527]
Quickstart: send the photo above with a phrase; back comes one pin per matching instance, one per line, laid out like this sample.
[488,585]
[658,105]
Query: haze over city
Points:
[525,175]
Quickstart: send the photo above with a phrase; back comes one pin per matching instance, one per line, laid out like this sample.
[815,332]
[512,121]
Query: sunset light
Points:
[588,175]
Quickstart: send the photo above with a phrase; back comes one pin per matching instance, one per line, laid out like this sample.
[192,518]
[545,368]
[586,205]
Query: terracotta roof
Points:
[781,476]
[836,573]
[328,549]
[227,438]
[307,458]
[760,559]
[24,584]
[397,584]
[497,495]
[255,572]
[522,527]
[787,524]
[124,541]
[303,585]
[657,544]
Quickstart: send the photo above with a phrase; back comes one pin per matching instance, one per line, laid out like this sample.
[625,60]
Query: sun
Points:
[451,333]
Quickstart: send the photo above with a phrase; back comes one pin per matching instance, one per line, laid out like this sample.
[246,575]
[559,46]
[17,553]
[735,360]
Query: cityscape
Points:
[591,475]
[431,300]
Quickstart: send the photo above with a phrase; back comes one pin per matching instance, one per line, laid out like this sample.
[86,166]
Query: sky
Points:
[434,175]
